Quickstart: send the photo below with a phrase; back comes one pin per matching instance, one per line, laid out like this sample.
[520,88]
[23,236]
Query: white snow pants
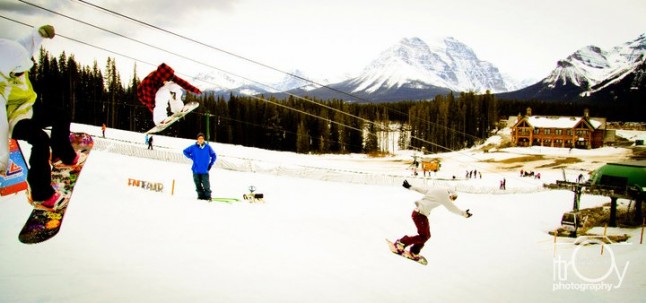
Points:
[169,94]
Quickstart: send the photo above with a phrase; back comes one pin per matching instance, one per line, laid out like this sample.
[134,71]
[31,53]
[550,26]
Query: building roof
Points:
[634,172]
[558,122]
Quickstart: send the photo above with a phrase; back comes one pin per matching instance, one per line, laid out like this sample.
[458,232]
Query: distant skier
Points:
[433,197]
[22,117]
[150,142]
[203,158]
[162,88]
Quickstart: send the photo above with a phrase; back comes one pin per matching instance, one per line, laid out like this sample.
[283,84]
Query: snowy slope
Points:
[312,241]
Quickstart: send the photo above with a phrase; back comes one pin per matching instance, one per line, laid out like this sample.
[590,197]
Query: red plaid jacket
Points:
[148,87]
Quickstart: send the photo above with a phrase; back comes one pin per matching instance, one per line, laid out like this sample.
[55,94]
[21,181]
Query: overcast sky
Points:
[327,39]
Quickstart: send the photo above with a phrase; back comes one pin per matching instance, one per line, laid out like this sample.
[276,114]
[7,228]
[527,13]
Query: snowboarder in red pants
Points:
[433,197]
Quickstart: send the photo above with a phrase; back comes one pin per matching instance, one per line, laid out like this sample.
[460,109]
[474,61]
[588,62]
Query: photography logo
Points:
[590,266]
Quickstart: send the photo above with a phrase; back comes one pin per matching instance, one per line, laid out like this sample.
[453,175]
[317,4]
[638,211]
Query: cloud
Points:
[165,12]
[19,8]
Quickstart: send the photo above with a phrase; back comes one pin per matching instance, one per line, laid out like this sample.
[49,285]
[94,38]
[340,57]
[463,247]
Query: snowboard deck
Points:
[188,107]
[225,200]
[44,224]
[405,254]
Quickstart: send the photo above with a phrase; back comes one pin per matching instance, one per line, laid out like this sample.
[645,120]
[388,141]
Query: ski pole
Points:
[641,238]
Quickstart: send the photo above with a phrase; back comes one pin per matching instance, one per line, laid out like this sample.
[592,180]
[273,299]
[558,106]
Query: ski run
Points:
[319,234]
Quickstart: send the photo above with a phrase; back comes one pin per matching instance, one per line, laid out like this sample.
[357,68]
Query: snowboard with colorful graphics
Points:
[405,254]
[43,224]
[189,107]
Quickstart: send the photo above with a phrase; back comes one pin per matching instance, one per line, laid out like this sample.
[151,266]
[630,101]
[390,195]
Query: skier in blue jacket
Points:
[203,158]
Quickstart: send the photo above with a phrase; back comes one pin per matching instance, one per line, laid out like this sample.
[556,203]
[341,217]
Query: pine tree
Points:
[303,138]
[371,145]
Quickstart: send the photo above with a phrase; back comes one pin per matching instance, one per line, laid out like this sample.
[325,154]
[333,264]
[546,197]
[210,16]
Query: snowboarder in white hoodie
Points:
[23,118]
[433,197]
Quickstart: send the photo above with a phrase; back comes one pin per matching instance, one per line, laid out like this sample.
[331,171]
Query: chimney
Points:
[528,112]
[586,113]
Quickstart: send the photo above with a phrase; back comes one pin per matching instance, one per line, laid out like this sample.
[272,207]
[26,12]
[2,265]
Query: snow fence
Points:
[264,166]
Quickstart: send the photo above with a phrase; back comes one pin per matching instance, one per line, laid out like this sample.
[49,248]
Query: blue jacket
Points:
[203,157]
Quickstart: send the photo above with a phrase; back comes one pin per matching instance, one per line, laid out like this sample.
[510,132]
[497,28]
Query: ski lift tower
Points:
[626,180]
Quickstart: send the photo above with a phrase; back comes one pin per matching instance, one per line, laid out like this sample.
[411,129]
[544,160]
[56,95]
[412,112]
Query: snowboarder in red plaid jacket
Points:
[162,88]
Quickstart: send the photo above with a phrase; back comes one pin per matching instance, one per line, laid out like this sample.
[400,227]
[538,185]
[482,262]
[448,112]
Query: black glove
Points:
[406,185]
[468,214]
[210,165]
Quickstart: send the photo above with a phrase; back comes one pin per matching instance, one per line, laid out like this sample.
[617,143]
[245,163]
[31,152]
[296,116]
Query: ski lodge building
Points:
[558,131]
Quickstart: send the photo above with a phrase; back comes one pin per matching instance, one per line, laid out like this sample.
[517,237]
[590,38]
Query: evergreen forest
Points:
[96,95]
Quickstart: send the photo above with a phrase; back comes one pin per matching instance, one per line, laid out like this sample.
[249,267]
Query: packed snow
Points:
[318,236]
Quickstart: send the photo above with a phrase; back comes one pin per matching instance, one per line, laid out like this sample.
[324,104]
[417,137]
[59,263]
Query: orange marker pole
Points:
[556,232]
[172,190]
[605,228]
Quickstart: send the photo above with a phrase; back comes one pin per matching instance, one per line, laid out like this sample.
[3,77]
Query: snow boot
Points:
[400,247]
[54,203]
[79,159]
[412,256]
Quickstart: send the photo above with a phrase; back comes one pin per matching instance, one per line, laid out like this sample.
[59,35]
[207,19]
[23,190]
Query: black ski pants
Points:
[31,130]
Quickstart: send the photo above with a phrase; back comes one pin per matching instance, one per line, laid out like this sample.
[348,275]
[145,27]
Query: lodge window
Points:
[558,131]
[547,131]
[569,132]
[536,131]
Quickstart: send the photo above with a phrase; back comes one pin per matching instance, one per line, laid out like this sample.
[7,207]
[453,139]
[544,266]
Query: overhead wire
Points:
[147,24]
[231,73]
[228,72]
[184,57]
[254,97]
[59,35]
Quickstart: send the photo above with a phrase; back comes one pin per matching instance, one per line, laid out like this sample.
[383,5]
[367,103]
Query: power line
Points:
[204,114]
[258,98]
[184,57]
[221,50]
[258,63]
[234,74]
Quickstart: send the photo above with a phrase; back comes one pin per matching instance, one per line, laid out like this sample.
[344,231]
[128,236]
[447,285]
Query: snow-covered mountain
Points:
[592,71]
[291,81]
[217,80]
[591,66]
[413,69]
[449,63]
[409,70]
[222,84]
